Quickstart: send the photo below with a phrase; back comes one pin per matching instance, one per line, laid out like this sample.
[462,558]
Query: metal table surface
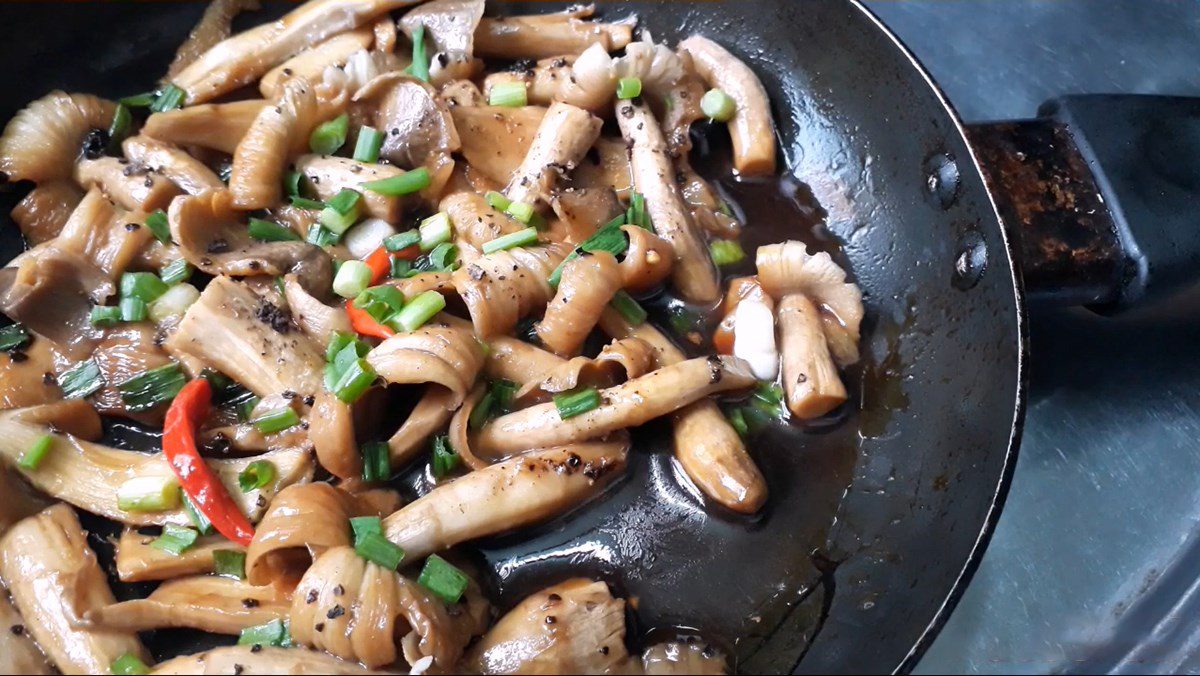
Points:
[1094,564]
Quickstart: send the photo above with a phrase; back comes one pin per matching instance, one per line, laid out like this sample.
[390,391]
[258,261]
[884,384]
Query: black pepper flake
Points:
[310,400]
[550,619]
[256,648]
[312,596]
[707,653]
[94,143]
[339,590]
[603,650]
[555,598]
[49,379]
[149,182]
[335,612]
[218,245]
[132,226]
[320,626]
[277,318]
[249,603]
[17,629]
[715,369]
[238,669]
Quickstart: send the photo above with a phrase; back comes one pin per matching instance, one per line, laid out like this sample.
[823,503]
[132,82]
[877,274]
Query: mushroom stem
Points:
[810,378]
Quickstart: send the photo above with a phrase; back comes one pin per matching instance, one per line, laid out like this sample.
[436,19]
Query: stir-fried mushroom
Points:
[138,560]
[475,221]
[248,660]
[525,490]
[55,580]
[496,139]
[318,320]
[331,431]
[810,378]
[647,262]
[416,124]
[328,175]
[219,126]
[543,80]
[581,211]
[100,232]
[51,293]
[311,63]
[214,26]
[18,653]
[575,627]
[18,500]
[751,127]
[451,24]
[564,136]
[446,354]
[186,172]
[516,360]
[654,177]
[619,360]
[502,287]
[42,213]
[545,35]
[432,412]
[302,522]
[124,352]
[132,186]
[588,283]
[260,159]
[28,380]
[683,657]
[43,140]
[210,603]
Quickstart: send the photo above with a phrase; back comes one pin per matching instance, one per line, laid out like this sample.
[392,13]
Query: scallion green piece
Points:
[497,201]
[81,380]
[229,563]
[329,136]
[351,279]
[128,665]
[118,130]
[366,149]
[726,251]
[322,236]
[168,98]
[246,408]
[380,302]
[272,634]
[376,463]
[629,88]
[13,336]
[379,550]
[268,231]
[174,303]
[400,268]
[402,240]
[628,308]
[342,211]
[149,494]
[277,420]
[718,106]
[405,184]
[133,310]
[365,525]
[152,388]
[291,183]
[443,258]
[435,230]
[508,95]
[105,315]
[159,227]
[444,458]
[306,203]
[199,521]
[145,286]
[572,404]
[420,60]
[513,239]
[175,539]
[257,474]
[737,420]
[521,211]
[443,579]
[32,458]
[175,272]
[138,100]
[418,311]
[608,238]
[637,214]
[354,381]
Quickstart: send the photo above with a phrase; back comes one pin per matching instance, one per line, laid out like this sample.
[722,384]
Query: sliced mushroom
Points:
[451,25]
[52,293]
[132,186]
[311,63]
[247,660]
[648,260]
[502,287]
[414,286]
[18,653]
[214,26]
[416,124]
[331,431]
[563,138]
[630,404]
[516,360]
[543,80]
[186,172]
[55,579]
[318,320]
[461,93]
[544,35]
[587,285]
[519,492]
[220,605]
[474,220]
[581,211]
[653,174]
[384,30]
[42,213]
[605,168]
[42,141]
[29,379]
[496,139]
[751,127]
[574,627]
[618,361]
[125,351]
[236,332]
[810,377]
[261,157]
[245,57]
[302,522]
[328,175]
[89,475]
[442,353]
[139,561]
[100,232]
[219,126]
[432,412]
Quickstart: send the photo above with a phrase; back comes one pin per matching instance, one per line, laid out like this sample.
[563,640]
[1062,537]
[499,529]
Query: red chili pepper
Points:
[380,262]
[198,480]
[411,253]
[364,324]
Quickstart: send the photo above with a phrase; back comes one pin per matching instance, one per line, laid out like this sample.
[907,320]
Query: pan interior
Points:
[875,513]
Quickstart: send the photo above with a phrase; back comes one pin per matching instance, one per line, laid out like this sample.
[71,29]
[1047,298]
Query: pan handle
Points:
[1103,194]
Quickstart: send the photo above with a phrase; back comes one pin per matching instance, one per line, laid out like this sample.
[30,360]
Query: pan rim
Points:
[1001,490]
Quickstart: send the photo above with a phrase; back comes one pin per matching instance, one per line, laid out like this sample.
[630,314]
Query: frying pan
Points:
[877,517]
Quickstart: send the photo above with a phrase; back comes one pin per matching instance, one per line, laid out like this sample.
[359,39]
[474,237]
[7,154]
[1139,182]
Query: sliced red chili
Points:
[364,324]
[380,262]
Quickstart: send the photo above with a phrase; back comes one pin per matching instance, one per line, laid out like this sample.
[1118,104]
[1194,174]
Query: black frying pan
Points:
[878,517]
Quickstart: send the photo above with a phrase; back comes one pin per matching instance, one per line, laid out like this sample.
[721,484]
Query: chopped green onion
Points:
[366,525]
[118,130]
[637,214]
[142,285]
[443,579]
[268,231]
[277,420]
[497,201]
[684,321]
[608,238]
[511,240]
[726,209]
[133,310]
[444,457]
[306,203]
[148,494]
[377,463]
[13,336]
[572,404]
[443,258]
[629,88]
[174,303]
[149,389]
[355,380]
[175,539]
[400,268]
[769,393]
[521,211]
[246,408]
[329,136]
[380,302]
[81,380]
[508,95]
[629,308]
[341,212]
[199,521]
[435,230]
[717,105]
[105,316]
[322,236]
[737,420]
[159,226]
[418,311]
[291,183]
[496,401]
[229,563]
[128,665]
[366,149]
[176,271]
[32,458]
[482,411]
[352,279]
[345,201]
[405,184]
[274,634]
[257,474]
[420,61]
[168,98]
[138,100]
[340,341]
[379,550]
[402,241]
[726,251]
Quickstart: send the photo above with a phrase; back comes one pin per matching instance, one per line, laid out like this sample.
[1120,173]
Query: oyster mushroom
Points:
[42,141]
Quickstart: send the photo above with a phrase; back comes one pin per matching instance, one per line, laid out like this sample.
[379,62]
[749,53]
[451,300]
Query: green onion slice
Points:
[159,226]
[366,149]
[274,633]
[352,279]
[497,201]
[199,521]
[508,95]
[329,136]
[149,494]
[403,240]
[718,105]
[145,286]
[629,88]
[13,336]
[306,203]
[257,474]
[168,98]
[269,231]
[32,458]
[521,211]
[365,525]
[149,389]
[419,310]
[277,420]
[133,310]
[176,271]
[628,308]
[444,458]
[379,550]
[229,563]
[118,130]
[420,60]
[443,579]
[354,381]
[81,380]
[175,539]
[435,230]
[608,238]
[128,665]
[726,252]
[376,461]
[405,184]
[513,239]
[572,404]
